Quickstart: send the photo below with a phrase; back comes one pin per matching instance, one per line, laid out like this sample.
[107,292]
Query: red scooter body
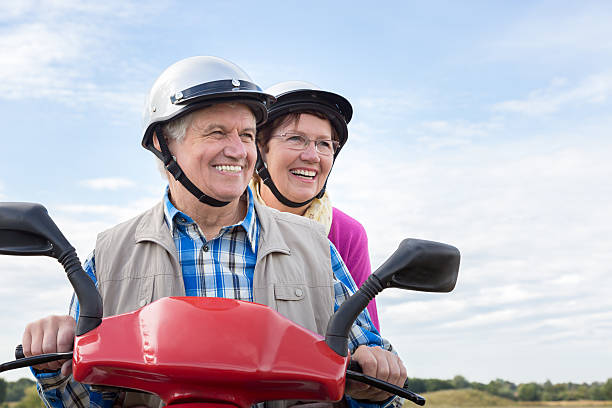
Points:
[210,350]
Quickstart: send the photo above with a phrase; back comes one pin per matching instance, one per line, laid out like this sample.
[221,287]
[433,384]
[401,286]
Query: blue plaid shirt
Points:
[219,267]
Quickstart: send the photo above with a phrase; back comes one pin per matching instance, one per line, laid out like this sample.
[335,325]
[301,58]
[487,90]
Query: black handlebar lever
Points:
[23,361]
[385,386]
[19,352]
[355,373]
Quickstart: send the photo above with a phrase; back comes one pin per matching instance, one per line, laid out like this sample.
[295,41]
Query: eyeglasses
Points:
[297,141]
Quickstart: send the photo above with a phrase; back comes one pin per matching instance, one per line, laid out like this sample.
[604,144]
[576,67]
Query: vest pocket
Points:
[289,291]
[292,301]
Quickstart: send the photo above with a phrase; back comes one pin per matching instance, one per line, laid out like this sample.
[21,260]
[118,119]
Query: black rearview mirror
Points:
[425,266]
[420,265]
[27,229]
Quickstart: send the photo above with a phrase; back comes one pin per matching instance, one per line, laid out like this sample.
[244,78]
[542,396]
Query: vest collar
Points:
[270,237]
[152,227]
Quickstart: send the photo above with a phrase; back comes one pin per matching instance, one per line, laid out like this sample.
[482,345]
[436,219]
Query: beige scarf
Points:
[320,209]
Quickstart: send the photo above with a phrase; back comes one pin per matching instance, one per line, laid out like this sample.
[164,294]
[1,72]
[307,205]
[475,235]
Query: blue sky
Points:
[482,124]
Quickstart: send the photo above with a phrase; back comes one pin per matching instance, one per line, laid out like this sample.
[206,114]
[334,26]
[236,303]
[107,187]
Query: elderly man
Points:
[208,237]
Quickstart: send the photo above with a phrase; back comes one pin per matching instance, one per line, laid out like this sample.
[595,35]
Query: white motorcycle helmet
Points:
[191,84]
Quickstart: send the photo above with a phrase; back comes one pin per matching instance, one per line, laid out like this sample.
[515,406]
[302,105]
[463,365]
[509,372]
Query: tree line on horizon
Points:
[532,391]
[23,390]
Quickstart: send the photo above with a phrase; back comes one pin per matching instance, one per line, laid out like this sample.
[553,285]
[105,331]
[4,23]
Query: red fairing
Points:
[190,349]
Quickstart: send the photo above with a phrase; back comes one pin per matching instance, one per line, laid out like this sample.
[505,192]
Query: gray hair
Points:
[174,130]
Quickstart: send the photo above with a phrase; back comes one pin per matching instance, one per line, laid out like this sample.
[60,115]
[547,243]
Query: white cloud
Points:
[107,183]
[458,128]
[57,50]
[428,135]
[393,103]
[595,89]
[52,10]
[32,50]
[12,9]
[119,212]
[445,134]
[362,132]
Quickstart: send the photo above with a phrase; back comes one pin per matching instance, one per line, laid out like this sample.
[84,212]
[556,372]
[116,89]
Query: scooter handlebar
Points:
[354,372]
[23,361]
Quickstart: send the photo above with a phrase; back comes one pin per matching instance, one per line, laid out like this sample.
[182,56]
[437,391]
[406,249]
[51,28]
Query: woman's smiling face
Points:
[299,175]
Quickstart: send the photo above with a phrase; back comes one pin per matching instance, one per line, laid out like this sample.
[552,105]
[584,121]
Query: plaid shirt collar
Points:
[174,217]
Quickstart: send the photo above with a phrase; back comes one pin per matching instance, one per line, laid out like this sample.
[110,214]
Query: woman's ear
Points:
[262,151]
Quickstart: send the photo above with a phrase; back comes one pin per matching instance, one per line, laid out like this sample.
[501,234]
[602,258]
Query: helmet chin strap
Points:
[173,167]
[264,174]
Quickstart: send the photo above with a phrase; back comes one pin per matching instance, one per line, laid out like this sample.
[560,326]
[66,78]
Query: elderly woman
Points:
[298,145]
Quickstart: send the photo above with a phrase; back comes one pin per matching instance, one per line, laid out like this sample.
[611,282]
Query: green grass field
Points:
[468,398]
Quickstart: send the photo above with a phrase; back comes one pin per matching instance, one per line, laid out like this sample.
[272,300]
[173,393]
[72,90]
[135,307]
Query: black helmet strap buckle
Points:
[264,174]
[173,168]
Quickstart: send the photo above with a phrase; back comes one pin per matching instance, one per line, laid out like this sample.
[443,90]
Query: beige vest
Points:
[137,263]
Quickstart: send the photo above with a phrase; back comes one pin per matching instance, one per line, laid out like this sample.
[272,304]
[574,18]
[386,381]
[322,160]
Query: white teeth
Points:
[231,169]
[306,173]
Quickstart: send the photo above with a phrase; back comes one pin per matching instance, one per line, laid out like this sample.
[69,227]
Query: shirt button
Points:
[205,248]
[299,292]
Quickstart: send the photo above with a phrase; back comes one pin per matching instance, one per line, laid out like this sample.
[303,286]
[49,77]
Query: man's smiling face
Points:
[218,151]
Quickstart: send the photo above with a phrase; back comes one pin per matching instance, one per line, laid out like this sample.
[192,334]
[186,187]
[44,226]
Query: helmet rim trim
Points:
[333,101]
[213,88]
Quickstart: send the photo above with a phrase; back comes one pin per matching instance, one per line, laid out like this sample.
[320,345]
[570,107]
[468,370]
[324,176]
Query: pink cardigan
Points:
[351,241]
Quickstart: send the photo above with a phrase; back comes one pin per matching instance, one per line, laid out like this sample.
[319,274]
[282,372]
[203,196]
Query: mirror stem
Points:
[90,302]
[339,325]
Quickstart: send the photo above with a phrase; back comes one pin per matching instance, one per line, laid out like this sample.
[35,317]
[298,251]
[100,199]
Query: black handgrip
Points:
[34,360]
[19,352]
[354,372]
[354,366]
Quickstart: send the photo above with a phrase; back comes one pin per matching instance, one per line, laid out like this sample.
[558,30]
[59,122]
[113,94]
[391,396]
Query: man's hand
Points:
[379,363]
[52,334]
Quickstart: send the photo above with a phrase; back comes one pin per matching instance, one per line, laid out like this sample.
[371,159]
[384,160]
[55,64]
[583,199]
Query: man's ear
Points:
[155,141]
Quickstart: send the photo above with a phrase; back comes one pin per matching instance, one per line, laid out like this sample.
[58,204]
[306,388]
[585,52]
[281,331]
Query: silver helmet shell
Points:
[195,83]
[296,96]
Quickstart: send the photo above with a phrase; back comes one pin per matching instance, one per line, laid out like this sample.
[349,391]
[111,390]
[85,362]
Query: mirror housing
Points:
[27,229]
[419,265]
[424,266]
